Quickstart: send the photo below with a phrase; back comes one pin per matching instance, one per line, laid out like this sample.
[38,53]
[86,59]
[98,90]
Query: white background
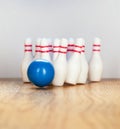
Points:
[20,19]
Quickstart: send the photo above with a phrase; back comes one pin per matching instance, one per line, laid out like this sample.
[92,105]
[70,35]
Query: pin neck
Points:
[96,47]
[62,52]
[27,48]
[77,49]
[37,49]
[56,48]
[70,47]
[45,52]
[51,48]
[63,49]
[45,49]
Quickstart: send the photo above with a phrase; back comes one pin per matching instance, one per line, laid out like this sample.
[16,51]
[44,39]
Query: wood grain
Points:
[90,106]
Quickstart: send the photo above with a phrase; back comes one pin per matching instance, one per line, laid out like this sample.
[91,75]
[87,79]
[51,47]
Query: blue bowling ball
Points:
[41,72]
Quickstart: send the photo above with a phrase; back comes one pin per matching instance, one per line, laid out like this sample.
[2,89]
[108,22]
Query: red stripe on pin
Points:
[44,46]
[62,52]
[50,50]
[59,47]
[77,46]
[46,51]
[50,45]
[28,45]
[62,47]
[96,50]
[70,50]
[96,45]
[37,50]
[56,46]
[76,51]
[83,51]
[28,50]
[71,45]
[37,45]
[43,51]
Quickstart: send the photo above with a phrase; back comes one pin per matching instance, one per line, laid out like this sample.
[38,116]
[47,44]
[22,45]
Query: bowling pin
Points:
[38,49]
[45,52]
[84,65]
[70,47]
[60,64]
[28,57]
[74,64]
[56,47]
[96,64]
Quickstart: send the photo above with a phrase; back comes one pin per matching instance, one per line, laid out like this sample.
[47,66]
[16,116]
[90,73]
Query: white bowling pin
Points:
[70,47]
[60,64]
[82,79]
[74,65]
[28,57]
[45,52]
[38,49]
[96,64]
[56,47]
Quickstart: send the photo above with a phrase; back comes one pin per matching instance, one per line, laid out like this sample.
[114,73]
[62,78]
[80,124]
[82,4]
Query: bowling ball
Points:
[41,72]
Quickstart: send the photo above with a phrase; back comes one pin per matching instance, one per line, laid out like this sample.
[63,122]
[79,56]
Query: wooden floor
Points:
[90,106]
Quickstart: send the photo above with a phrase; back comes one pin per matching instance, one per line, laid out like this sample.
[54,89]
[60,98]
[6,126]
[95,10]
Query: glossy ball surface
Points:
[41,72]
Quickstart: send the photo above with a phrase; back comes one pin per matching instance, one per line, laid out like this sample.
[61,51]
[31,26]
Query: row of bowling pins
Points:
[74,69]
